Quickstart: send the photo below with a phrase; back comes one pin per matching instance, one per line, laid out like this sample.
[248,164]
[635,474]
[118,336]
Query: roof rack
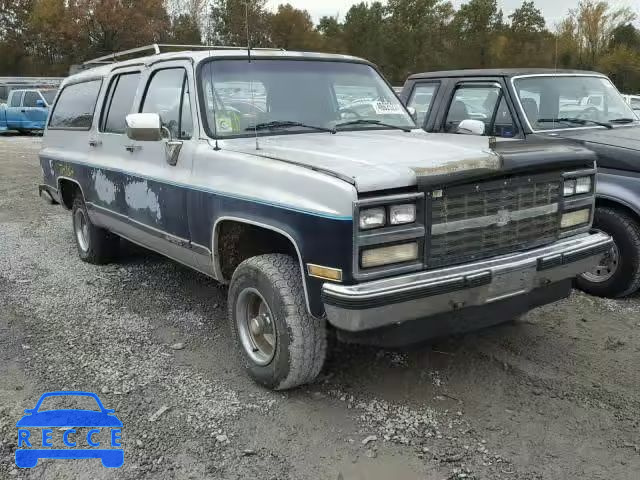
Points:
[156,49]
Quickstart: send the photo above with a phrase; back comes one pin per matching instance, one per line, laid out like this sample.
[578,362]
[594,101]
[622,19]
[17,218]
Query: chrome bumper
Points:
[419,295]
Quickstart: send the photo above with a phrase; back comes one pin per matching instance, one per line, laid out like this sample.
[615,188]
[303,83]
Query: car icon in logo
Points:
[53,434]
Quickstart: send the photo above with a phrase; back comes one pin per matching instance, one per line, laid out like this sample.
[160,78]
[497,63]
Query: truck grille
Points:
[485,219]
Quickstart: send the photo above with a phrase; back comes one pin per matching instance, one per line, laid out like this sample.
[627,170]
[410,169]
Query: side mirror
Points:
[412,111]
[144,127]
[40,103]
[471,127]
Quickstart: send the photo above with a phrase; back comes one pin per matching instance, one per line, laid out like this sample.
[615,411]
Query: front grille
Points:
[485,219]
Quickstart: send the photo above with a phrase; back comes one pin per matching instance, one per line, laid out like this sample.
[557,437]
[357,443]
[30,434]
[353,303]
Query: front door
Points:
[34,110]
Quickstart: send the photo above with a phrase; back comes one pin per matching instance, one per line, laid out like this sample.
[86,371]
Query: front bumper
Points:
[395,300]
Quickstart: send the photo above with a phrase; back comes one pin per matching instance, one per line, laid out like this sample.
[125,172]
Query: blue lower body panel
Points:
[111,458]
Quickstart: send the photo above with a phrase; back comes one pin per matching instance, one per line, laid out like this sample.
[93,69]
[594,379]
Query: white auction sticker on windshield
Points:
[383,107]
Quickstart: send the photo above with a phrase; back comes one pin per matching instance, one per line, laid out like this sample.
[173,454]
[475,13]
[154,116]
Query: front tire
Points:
[95,245]
[618,274]
[281,345]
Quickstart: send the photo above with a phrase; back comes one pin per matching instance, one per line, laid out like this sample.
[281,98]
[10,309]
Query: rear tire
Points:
[618,275]
[281,345]
[95,245]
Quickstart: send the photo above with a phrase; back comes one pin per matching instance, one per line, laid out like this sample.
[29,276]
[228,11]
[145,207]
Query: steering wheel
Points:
[348,111]
[590,113]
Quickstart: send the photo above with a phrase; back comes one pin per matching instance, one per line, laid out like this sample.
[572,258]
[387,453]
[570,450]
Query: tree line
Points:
[45,37]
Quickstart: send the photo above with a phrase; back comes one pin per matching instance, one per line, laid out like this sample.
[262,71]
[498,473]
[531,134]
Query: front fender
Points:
[619,187]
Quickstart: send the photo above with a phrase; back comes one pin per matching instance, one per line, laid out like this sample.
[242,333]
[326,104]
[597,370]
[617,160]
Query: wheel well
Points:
[238,241]
[67,190]
[605,202]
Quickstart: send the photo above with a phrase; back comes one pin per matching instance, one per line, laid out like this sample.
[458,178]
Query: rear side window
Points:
[167,95]
[30,99]
[75,106]
[16,96]
[119,101]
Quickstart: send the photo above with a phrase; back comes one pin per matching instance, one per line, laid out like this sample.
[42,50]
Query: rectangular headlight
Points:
[583,185]
[569,187]
[577,186]
[372,218]
[376,257]
[573,219]
[401,214]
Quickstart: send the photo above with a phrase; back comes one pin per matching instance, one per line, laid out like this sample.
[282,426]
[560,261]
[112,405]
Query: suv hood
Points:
[386,159]
[377,160]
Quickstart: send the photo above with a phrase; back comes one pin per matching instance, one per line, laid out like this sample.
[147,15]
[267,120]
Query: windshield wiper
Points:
[364,121]
[579,121]
[623,120]
[275,125]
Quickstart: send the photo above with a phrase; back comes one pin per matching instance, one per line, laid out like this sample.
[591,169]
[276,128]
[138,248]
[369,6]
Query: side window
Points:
[118,102]
[30,99]
[16,98]
[75,106]
[421,99]
[484,103]
[168,95]
[4,93]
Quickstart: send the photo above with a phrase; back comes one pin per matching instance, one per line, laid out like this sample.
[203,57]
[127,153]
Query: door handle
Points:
[23,111]
[132,148]
[94,143]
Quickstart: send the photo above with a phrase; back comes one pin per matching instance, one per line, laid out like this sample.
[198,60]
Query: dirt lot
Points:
[554,396]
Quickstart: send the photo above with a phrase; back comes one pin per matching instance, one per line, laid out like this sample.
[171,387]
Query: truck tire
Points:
[280,344]
[618,274]
[95,245]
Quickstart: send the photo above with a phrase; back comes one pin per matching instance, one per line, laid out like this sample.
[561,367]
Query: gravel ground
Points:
[553,396]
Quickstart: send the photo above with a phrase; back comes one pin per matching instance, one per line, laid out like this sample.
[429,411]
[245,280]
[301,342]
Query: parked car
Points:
[317,218]
[546,106]
[26,110]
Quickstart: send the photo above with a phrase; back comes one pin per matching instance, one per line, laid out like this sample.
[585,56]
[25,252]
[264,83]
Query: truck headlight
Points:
[401,214]
[575,218]
[376,257]
[577,186]
[372,218]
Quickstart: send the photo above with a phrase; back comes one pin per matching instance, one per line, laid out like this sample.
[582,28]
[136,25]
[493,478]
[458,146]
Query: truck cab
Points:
[541,106]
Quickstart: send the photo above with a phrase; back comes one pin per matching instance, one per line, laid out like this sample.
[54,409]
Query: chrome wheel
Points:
[81,225]
[606,268]
[256,327]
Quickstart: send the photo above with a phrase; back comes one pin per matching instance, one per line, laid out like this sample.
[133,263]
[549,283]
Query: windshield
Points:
[545,99]
[48,95]
[240,96]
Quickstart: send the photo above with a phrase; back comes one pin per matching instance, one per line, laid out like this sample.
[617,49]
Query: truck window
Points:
[484,103]
[118,102]
[16,98]
[167,95]
[421,100]
[30,99]
[75,106]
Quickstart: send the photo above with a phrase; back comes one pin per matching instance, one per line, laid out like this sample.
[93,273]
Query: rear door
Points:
[108,146]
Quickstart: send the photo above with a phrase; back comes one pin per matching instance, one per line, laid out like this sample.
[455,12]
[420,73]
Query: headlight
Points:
[575,218]
[372,218]
[577,186]
[376,257]
[401,214]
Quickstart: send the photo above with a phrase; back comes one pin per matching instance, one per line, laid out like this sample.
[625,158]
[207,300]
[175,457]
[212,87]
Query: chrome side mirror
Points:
[471,127]
[144,127]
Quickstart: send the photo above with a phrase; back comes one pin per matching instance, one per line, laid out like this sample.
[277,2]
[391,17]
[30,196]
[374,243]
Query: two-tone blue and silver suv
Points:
[302,181]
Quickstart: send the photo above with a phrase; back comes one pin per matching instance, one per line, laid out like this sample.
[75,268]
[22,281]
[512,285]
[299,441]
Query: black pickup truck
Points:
[540,105]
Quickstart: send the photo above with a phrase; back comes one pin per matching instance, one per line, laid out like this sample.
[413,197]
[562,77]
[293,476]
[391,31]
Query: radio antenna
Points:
[214,105]
[253,104]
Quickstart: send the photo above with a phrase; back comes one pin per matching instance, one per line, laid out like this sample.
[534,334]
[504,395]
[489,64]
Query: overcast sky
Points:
[553,10]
